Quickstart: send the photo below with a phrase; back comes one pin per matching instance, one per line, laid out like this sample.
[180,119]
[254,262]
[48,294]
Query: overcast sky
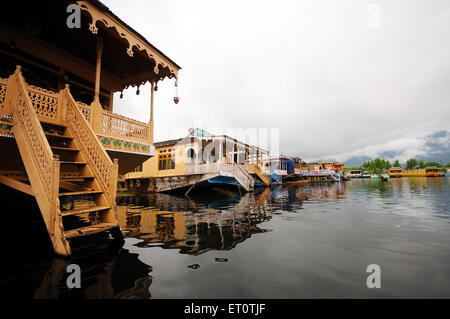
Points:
[337,78]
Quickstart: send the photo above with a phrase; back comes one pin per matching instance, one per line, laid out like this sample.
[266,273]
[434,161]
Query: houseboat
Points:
[323,171]
[365,174]
[277,168]
[199,160]
[395,172]
[431,171]
[354,173]
[61,138]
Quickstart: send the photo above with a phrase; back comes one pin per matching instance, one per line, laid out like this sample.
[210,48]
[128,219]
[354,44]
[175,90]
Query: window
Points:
[166,159]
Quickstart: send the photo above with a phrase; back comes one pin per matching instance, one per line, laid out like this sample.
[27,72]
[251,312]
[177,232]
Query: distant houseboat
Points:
[427,171]
[277,168]
[354,173]
[323,171]
[395,172]
[365,174]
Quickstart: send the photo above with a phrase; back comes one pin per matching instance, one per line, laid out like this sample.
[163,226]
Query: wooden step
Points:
[89,230]
[83,211]
[71,163]
[66,149]
[75,177]
[80,193]
[59,136]
[45,123]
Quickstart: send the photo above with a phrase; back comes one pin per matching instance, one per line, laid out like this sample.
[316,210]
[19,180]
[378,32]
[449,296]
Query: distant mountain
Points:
[356,161]
[436,147]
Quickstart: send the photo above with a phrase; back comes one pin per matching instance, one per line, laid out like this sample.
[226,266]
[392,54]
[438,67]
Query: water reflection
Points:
[114,273]
[222,221]
[193,226]
[199,224]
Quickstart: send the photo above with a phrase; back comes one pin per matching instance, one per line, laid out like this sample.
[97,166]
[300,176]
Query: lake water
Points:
[312,241]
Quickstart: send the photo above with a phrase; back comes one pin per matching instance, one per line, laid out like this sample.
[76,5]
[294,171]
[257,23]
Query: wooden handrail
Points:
[104,170]
[41,165]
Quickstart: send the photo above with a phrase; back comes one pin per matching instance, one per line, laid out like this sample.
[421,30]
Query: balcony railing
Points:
[120,126]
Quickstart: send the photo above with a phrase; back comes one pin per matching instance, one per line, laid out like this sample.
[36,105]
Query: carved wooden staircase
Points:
[254,169]
[65,165]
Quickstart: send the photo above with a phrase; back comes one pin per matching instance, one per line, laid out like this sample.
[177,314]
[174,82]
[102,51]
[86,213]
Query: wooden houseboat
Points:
[60,136]
[199,160]
[395,172]
[432,171]
[278,167]
[323,171]
[354,173]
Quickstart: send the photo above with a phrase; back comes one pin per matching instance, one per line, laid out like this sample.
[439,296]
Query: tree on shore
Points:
[397,164]
[428,164]
[421,164]
[411,163]
[377,166]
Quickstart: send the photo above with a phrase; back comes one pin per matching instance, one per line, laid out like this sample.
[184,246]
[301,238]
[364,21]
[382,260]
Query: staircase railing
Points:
[41,165]
[243,177]
[105,171]
[254,168]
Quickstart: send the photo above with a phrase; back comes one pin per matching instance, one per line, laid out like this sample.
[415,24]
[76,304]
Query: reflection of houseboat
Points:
[59,135]
[432,171]
[395,172]
[199,160]
[385,175]
[209,228]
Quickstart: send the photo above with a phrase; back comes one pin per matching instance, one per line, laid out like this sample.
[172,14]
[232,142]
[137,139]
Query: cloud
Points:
[317,70]
[431,147]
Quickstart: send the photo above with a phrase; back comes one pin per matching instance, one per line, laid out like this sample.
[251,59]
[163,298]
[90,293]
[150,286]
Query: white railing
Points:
[317,173]
[231,170]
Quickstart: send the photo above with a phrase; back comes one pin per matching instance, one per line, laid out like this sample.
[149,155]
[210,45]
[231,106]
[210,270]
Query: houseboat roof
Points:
[106,9]
[167,143]
[39,32]
[199,133]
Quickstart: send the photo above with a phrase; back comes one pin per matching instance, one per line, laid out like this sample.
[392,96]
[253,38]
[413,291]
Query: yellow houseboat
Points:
[60,138]
[199,159]
[395,172]
[428,172]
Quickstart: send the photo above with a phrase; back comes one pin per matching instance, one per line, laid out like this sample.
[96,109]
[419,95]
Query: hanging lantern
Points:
[137,91]
[121,94]
[176,99]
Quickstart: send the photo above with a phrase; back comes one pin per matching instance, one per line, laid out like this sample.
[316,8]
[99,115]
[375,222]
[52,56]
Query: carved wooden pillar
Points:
[151,123]
[98,68]
[96,107]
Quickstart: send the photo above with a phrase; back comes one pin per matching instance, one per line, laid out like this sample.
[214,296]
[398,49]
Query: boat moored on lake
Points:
[431,171]
[395,172]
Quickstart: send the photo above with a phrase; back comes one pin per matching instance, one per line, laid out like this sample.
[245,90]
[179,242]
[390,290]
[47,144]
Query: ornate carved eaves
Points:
[131,37]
